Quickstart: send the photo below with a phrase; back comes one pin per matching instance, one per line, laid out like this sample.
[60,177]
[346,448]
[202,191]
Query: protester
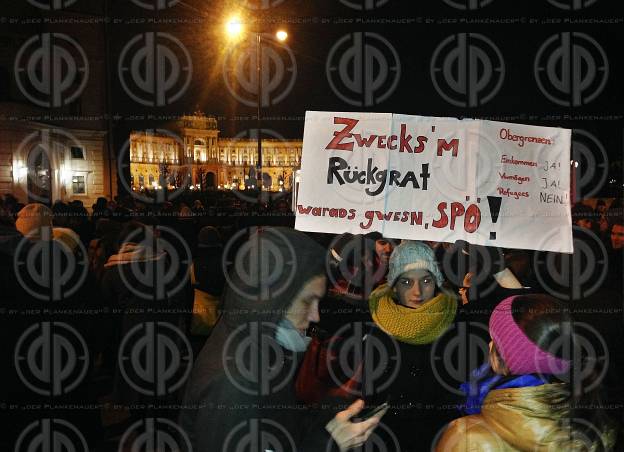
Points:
[225,394]
[617,235]
[100,209]
[133,287]
[359,264]
[523,400]
[410,312]
[583,216]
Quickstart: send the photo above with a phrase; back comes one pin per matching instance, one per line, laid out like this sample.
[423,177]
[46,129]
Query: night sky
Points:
[398,49]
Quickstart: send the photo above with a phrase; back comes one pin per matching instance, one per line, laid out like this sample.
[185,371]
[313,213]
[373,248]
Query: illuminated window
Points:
[78,185]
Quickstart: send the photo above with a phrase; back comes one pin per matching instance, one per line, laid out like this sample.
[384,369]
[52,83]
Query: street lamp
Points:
[234,29]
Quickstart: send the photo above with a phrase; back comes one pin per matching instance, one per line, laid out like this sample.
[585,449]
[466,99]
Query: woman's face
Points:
[415,287]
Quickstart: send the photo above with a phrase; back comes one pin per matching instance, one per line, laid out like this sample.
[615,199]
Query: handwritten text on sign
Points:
[441,179]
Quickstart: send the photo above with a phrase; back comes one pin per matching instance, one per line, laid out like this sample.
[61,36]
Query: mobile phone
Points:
[369,412]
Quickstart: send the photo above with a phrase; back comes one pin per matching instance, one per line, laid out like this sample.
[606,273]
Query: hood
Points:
[527,418]
[267,273]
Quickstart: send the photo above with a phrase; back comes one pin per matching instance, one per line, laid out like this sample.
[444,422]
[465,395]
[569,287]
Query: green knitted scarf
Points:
[415,326]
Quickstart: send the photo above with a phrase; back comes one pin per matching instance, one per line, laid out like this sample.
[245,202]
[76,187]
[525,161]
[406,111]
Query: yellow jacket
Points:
[518,419]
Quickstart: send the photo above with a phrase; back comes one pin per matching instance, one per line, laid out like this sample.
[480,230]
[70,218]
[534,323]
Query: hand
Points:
[348,434]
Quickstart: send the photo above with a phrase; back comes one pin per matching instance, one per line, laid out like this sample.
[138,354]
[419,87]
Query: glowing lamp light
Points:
[234,27]
[281,35]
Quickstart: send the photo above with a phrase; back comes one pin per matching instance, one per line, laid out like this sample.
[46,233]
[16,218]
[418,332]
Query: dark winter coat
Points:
[242,387]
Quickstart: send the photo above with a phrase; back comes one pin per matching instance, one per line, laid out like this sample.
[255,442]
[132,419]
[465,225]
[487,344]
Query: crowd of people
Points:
[317,342]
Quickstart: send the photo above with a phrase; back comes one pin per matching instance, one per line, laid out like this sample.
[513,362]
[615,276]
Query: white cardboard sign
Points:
[440,179]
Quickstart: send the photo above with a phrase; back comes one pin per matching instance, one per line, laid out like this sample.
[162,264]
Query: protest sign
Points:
[440,179]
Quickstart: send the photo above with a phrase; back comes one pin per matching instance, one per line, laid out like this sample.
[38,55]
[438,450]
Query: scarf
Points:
[290,338]
[483,380]
[415,326]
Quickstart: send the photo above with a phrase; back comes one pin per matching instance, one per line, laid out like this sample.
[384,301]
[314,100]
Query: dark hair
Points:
[547,323]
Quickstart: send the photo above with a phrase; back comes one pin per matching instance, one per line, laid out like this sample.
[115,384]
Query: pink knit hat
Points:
[520,354]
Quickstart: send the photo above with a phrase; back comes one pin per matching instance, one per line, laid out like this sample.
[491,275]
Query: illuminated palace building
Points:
[191,153]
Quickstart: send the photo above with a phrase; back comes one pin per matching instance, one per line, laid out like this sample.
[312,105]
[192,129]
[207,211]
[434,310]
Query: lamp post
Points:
[234,28]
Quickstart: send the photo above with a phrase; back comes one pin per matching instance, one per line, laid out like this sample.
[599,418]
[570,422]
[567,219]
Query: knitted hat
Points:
[520,354]
[412,255]
[32,218]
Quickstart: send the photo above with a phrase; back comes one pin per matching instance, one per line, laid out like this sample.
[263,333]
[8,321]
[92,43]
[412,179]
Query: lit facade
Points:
[190,152]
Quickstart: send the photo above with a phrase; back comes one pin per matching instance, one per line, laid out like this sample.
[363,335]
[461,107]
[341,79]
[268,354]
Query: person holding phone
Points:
[241,393]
